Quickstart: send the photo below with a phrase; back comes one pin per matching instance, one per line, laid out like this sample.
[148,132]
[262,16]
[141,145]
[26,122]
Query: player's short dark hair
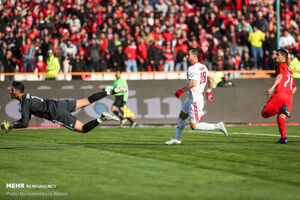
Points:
[284,53]
[195,51]
[19,86]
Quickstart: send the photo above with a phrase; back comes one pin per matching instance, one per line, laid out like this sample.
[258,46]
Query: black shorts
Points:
[63,115]
[119,101]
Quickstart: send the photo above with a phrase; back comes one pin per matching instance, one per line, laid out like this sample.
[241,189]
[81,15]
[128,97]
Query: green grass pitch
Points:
[124,163]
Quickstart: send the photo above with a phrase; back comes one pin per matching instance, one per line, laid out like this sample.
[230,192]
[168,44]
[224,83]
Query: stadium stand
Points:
[100,36]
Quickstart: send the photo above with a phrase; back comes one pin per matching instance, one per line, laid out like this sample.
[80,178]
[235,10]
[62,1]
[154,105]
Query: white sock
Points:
[206,126]
[108,92]
[180,126]
[99,120]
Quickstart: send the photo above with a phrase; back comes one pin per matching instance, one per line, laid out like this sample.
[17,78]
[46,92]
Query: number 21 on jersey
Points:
[289,81]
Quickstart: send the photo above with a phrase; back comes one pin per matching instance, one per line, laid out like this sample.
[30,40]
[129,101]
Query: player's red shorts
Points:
[276,102]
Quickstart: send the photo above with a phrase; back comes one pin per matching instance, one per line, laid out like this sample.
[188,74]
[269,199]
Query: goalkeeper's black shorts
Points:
[119,101]
[62,114]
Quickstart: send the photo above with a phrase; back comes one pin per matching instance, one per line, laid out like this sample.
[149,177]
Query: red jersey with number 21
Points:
[287,82]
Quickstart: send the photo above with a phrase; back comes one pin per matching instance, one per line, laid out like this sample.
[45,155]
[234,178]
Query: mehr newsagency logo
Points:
[39,190]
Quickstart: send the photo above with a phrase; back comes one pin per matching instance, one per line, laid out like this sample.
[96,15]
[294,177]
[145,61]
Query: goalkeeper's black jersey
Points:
[33,105]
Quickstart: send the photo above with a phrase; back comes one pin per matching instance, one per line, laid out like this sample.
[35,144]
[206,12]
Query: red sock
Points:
[282,127]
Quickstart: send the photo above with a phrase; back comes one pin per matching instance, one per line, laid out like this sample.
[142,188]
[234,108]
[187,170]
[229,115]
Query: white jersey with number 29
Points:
[198,72]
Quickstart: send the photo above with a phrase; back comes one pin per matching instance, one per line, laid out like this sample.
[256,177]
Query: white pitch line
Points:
[256,134]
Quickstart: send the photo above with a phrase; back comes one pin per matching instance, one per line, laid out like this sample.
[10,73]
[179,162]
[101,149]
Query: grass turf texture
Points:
[114,163]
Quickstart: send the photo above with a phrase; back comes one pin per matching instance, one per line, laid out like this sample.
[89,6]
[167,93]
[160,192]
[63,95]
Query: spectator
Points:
[155,56]
[261,22]
[11,42]
[225,45]
[28,55]
[107,62]
[287,41]
[295,66]
[231,34]
[161,7]
[67,67]
[53,66]
[119,58]
[40,65]
[247,62]
[37,45]
[142,55]
[10,65]
[45,46]
[57,48]
[78,65]
[148,36]
[69,49]
[242,41]
[244,23]
[195,22]
[74,23]
[181,51]
[95,53]
[146,8]
[270,45]
[256,39]
[131,55]
[168,52]
[218,60]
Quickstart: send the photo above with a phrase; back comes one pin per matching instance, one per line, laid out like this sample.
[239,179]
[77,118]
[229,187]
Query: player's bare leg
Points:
[180,126]
[202,126]
[81,103]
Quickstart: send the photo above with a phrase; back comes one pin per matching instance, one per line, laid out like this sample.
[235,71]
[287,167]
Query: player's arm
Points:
[22,123]
[192,83]
[210,80]
[276,82]
[25,117]
[294,87]
[210,85]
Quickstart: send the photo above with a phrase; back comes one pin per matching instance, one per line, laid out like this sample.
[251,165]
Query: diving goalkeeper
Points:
[57,111]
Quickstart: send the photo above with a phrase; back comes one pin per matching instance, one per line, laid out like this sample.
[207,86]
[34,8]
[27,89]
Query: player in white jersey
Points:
[197,78]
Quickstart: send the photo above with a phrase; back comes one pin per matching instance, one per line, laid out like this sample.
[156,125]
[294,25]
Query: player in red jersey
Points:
[281,101]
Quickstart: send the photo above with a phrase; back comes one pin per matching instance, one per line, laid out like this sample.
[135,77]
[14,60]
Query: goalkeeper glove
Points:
[118,90]
[6,126]
[209,97]
[179,93]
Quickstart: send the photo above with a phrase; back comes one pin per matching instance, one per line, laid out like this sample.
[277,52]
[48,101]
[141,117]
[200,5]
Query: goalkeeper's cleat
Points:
[133,124]
[285,111]
[5,126]
[123,121]
[282,141]
[118,90]
[107,117]
[222,128]
[173,141]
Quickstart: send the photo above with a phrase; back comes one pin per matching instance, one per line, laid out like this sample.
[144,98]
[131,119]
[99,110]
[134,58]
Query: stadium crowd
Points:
[143,35]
